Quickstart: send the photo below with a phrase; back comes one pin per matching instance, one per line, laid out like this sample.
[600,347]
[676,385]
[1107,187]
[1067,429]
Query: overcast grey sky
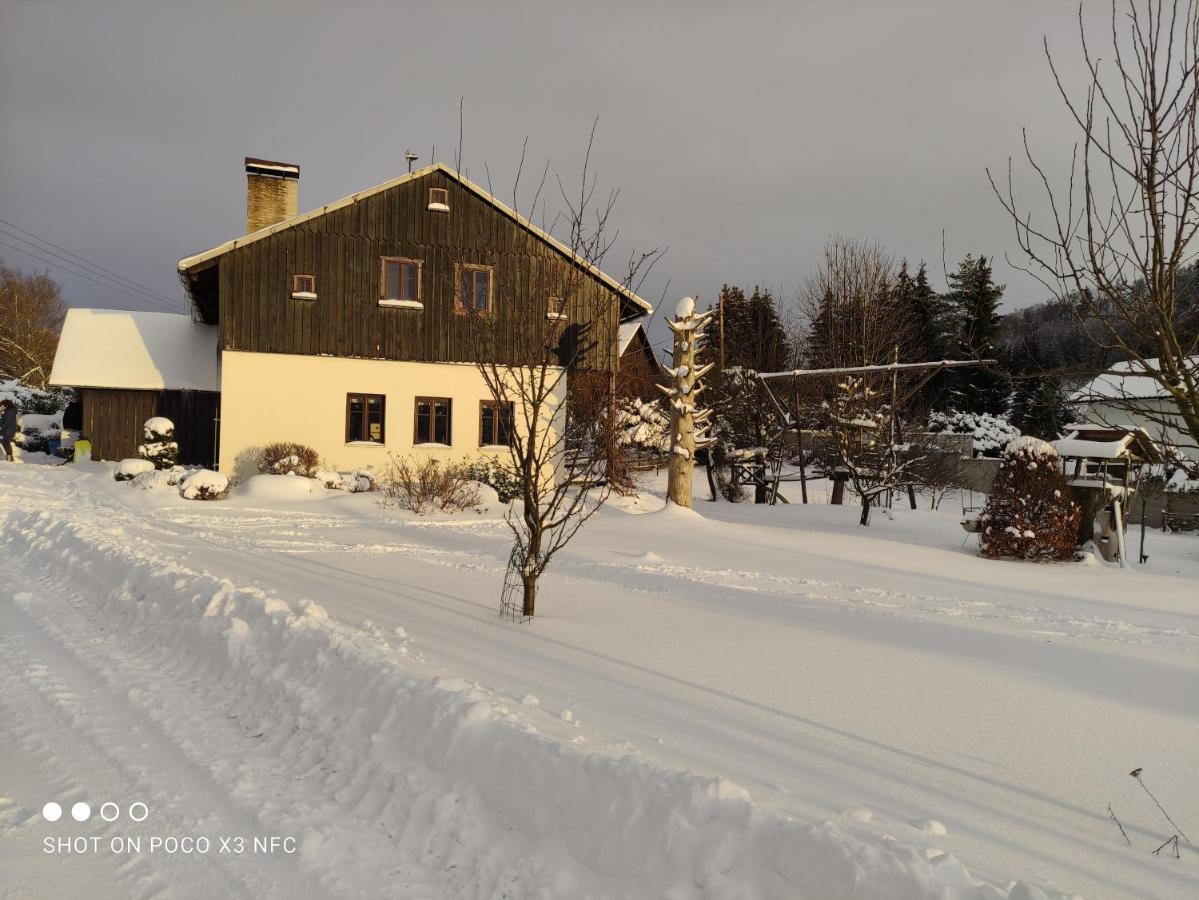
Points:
[740,134]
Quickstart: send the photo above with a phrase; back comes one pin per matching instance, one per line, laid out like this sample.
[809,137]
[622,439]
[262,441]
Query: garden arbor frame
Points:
[932,367]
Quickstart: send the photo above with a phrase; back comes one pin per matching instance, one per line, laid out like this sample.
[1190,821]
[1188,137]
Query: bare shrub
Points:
[937,471]
[429,486]
[287,458]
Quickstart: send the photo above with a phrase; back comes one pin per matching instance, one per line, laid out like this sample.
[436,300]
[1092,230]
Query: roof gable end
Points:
[199,260]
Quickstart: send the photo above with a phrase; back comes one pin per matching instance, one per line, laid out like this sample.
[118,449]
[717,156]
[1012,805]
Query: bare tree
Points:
[563,334]
[1114,237]
[847,302]
[31,314]
[865,442]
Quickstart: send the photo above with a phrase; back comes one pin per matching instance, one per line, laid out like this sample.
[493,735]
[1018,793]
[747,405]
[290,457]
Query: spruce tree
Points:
[973,303]
[754,341]
[1039,405]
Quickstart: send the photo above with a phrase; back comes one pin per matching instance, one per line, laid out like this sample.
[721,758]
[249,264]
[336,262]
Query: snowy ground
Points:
[747,702]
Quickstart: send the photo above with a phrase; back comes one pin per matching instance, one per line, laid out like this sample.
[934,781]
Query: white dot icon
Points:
[144,811]
[81,812]
[109,811]
[51,812]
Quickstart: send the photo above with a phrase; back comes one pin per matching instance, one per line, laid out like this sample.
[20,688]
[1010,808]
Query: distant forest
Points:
[1049,336]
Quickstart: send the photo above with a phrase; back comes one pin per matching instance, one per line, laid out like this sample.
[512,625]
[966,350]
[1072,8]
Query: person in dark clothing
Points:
[8,426]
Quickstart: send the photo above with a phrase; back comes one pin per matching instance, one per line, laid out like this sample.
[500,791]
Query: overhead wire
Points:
[108,274]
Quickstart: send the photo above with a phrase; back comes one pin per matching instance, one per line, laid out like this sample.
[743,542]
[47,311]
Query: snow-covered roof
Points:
[193,261]
[1101,442]
[1125,381]
[1093,449]
[112,348]
[625,335]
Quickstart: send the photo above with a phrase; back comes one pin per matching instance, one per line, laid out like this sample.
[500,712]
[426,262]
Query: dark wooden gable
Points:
[344,247]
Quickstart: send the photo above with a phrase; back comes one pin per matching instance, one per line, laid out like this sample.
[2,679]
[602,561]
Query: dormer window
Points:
[439,199]
[400,283]
[555,308]
[303,287]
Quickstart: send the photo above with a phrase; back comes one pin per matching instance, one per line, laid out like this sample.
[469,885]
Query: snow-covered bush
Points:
[158,443]
[497,473]
[643,426]
[128,469]
[1182,482]
[990,433]
[1030,514]
[356,482]
[32,400]
[429,485]
[288,458]
[205,485]
[156,479]
[37,430]
[360,481]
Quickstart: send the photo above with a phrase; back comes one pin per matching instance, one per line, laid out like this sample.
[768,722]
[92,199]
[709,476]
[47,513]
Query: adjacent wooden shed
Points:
[130,366]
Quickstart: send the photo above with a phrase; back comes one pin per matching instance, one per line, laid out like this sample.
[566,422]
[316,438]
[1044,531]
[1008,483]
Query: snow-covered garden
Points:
[741,701]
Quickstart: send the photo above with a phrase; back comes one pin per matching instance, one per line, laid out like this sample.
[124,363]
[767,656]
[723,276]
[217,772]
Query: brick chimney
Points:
[272,189]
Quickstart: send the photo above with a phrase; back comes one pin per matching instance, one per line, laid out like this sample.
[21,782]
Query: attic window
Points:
[555,308]
[439,199]
[303,287]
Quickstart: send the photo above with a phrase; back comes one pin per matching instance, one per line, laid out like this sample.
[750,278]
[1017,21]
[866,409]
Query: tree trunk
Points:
[529,583]
[838,490]
[684,421]
[865,519]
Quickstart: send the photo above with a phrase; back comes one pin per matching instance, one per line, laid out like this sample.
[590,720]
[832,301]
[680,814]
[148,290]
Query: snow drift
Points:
[386,769]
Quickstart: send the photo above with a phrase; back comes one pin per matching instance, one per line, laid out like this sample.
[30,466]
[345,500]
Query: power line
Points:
[74,268]
[83,260]
[87,277]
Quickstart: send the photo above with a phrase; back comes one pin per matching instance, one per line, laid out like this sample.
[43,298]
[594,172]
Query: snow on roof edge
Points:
[190,262]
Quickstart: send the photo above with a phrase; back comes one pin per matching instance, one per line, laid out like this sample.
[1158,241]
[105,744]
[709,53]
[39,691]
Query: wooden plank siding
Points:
[113,420]
[343,248]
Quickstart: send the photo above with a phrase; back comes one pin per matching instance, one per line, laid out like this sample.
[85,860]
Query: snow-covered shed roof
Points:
[1102,442]
[1124,381]
[191,262]
[113,348]
[625,335]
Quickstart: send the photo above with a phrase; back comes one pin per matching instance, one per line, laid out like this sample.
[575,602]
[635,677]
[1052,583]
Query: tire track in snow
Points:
[85,742]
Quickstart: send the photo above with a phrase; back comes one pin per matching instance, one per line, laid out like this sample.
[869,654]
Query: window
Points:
[432,421]
[364,418]
[555,308]
[495,423]
[303,287]
[400,283]
[439,199]
[474,289]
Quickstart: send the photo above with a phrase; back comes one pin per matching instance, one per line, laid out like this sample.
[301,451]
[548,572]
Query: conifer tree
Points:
[1039,405]
[973,305]
[754,341]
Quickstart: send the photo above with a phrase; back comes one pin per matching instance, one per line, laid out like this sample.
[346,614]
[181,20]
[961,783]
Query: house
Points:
[354,328]
[1126,398]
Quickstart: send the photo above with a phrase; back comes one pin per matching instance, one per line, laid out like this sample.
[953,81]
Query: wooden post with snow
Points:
[687,424]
